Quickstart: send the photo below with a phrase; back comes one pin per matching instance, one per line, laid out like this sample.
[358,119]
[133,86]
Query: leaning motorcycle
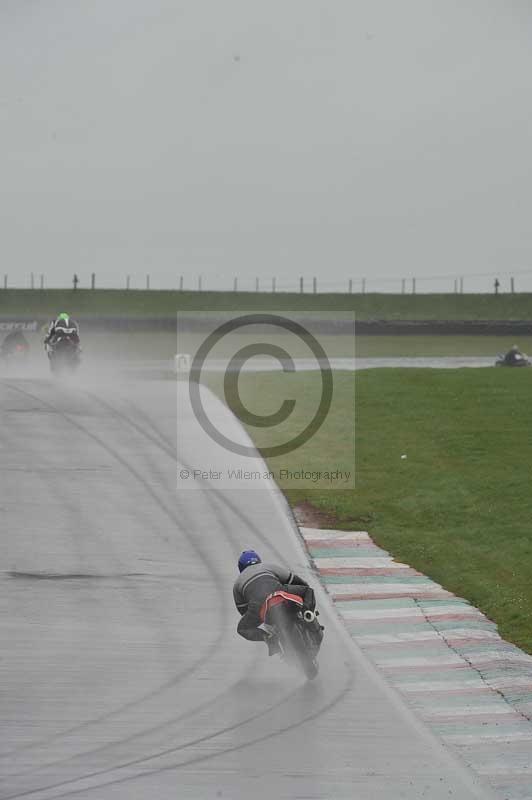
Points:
[64,354]
[297,629]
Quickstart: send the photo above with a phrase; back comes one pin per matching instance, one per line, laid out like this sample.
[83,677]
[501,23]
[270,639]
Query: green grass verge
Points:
[164,344]
[458,508]
[367,306]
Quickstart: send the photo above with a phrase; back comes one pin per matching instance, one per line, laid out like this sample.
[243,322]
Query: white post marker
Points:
[182,362]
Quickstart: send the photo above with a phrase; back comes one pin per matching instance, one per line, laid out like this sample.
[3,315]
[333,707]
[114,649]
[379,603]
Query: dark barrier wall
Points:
[369,327]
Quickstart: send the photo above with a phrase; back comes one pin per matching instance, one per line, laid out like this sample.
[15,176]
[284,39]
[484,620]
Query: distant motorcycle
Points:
[15,347]
[512,359]
[298,631]
[64,354]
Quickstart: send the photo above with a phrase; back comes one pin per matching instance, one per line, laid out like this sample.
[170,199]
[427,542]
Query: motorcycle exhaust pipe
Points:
[309,616]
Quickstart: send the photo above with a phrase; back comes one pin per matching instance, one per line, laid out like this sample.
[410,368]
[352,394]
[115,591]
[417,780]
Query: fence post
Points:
[461,285]
[273,285]
[93,280]
[301,285]
[180,283]
[512,286]
[314,285]
[147,282]
[128,282]
[5,281]
[413,285]
[350,286]
[256,284]
[235,284]
[32,281]
[455,286]
[403,286]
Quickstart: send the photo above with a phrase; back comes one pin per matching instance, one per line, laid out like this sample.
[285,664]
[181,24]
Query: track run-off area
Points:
[122,675]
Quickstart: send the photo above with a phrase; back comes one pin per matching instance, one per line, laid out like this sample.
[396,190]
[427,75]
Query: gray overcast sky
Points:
[336,138]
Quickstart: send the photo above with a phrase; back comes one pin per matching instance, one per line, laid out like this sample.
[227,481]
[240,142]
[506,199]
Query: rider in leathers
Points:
[255,582]
[64,325]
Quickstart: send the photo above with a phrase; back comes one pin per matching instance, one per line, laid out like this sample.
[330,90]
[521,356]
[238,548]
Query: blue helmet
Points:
[247,558]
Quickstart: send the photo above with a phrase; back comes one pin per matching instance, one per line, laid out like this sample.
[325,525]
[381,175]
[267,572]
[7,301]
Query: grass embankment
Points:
[108,302]
[164,344]
[434,346]
[459,507]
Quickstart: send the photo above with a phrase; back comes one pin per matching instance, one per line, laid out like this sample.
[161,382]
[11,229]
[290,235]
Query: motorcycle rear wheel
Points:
[294,642]
[305,657]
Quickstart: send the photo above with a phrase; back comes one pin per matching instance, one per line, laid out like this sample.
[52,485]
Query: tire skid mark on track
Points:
[131,589]
[262,713]
[159,439]
[196,759]
[155,755]
[167,723]
[180,676]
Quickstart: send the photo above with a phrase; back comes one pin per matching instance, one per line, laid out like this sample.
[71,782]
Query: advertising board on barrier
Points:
[30,326]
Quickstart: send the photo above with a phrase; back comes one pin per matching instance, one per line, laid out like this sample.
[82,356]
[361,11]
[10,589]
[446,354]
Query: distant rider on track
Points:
[255,582]
[64,325]
[514,356]
[14,342]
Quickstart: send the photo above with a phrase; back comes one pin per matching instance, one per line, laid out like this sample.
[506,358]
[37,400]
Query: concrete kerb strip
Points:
[443,655]
[472,778]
